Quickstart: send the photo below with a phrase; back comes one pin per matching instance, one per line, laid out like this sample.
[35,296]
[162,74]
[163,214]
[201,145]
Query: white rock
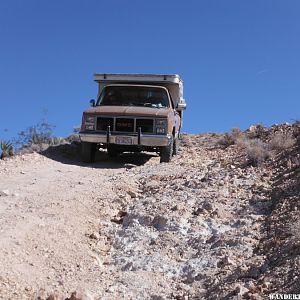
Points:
[4,193]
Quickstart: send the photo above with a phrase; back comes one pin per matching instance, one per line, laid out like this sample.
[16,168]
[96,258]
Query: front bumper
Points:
[136,140]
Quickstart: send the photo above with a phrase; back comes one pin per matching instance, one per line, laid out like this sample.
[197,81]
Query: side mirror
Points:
[92,102]
[181,106]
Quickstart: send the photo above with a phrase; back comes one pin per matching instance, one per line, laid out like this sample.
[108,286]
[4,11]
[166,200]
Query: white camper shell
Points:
[172,82]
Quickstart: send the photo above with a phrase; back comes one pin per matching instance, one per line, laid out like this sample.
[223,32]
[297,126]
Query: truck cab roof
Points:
[147,78]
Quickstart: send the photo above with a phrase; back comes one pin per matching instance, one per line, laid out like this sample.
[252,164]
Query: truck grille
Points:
[129,125]
[103,123]
[124,125]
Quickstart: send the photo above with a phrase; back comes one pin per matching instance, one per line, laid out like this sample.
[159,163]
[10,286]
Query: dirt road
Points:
[133,228]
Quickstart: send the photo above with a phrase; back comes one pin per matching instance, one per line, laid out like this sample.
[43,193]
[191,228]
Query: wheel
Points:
[176,146]
[166,152]
[113,151]
[88,151]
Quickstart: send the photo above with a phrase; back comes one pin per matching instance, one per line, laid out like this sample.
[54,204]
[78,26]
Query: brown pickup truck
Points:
[133,113]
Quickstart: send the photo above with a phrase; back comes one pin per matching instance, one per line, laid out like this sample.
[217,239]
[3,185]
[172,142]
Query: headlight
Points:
[161,126]
[89,119]
[89,122]
[161,122]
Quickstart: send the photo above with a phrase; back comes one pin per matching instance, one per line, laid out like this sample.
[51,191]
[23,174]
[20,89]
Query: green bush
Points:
[6,149]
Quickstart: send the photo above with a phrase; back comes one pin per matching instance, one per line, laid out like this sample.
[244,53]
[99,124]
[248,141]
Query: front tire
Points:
[88,151]
[176,146]
[166,152]
[113,152]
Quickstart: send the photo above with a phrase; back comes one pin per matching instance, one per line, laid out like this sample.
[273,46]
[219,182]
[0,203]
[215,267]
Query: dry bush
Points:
[225,141]
[41,133]
[236,134]
[281,141]
[257,151]
[230,138]
[256,131]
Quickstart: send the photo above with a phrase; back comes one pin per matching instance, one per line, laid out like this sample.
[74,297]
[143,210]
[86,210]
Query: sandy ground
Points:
[132,228]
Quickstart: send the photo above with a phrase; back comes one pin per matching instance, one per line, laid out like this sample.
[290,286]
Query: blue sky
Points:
[240,60]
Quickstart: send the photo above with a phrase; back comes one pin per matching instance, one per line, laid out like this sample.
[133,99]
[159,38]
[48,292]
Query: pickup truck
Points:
[134,113]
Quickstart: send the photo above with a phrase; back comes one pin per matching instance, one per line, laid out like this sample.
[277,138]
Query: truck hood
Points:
[129,111]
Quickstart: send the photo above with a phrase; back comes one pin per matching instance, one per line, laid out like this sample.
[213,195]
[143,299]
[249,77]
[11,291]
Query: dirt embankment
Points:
[203,226]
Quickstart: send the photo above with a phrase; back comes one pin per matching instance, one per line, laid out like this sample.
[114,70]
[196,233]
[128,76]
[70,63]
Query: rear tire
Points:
[166,152]
[88,151]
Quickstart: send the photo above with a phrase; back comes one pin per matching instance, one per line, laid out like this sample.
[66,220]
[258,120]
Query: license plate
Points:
[123,140]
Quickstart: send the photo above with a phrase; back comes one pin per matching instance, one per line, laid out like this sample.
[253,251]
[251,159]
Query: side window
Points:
[172,104]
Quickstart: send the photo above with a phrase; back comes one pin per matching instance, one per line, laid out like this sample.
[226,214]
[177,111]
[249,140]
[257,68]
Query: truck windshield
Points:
[134,96]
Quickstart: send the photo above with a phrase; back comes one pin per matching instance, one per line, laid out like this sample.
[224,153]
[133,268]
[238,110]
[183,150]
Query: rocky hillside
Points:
[221,221]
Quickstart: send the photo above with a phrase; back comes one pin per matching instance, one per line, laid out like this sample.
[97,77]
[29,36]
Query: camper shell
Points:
[173,83]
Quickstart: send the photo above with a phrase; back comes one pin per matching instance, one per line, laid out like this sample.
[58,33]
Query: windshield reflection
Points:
[134,96]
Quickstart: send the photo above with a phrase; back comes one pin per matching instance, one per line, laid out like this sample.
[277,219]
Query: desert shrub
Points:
[257,151]
[281,141]
[225,140]
[6,149]
[230,138]
[41,133]
[236,133]
[255,131]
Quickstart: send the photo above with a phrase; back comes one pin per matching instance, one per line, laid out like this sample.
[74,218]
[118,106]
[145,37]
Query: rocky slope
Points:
[218,222]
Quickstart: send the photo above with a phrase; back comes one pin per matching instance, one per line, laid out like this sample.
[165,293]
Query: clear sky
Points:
[240,60]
